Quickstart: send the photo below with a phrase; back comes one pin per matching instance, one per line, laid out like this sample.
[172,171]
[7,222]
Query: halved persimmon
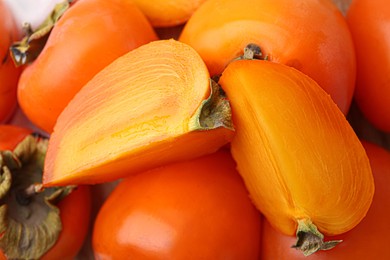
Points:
[152,106]
[304,166]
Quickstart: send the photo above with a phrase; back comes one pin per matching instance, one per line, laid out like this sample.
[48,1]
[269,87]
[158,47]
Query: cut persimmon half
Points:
[152,106]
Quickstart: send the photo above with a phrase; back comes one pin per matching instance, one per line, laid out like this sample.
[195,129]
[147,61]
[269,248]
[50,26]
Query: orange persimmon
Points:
[87,37]
[167,13]
[195,209]
[311,36]
[152,106]
[11,135]
[369,25]
[9,73]
[368,240]
[303,164]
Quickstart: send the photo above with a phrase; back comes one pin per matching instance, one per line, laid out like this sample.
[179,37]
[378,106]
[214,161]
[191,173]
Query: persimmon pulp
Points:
[142,111]
[303,165]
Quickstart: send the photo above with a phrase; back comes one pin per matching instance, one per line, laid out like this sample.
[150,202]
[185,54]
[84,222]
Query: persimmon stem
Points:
[23,196]
[310,240]
[252,51]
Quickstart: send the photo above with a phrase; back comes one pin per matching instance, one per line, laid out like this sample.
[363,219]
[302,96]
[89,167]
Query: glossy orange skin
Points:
[369,240]
[75,216]
[9,74]
[81,44]
[75,209]
[369,23]
[11,135]
[197,209]
[168,13]
[310,35]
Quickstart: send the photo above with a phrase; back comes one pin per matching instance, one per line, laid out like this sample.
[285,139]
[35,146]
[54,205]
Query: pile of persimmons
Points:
[208,129]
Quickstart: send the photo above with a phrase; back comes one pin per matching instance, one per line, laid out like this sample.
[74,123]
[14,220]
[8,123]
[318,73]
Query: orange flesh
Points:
[295,150]
[133,115]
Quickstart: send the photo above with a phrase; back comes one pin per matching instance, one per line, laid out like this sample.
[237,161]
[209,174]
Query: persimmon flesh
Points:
[9,73]
[142,111]
[368,240]
[299,157]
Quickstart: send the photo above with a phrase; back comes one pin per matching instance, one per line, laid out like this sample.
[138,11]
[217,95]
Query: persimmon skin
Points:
[75,212]
[311,36]
[11,135]
[302,161]
[9,73]
[197,209]
[369,24]
[168,13]
[368,240]
[80,45]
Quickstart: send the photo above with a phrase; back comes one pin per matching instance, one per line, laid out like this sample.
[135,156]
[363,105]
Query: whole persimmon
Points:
[309,35]
[9,73]
[197,209]
[168,13]
[369,23]
[87,37]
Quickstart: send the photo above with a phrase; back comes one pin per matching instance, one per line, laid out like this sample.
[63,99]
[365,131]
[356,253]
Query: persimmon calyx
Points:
[30,222]
[28,49]
[310,240]
[214,112]
[252,51]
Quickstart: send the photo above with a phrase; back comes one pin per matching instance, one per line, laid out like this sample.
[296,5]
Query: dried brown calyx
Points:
[29,220]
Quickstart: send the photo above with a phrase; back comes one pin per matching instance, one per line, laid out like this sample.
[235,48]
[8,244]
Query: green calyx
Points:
[30,222]
[310,240]
[214,112]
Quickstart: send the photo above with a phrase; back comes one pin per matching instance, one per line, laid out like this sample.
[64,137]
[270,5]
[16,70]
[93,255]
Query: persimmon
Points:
[80,44]
[303,164]
[309,35]
[373,81]
[168,13]
[197,209]
[368,240]
[37,223]
[11,135]
[152,106]
[9,73]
